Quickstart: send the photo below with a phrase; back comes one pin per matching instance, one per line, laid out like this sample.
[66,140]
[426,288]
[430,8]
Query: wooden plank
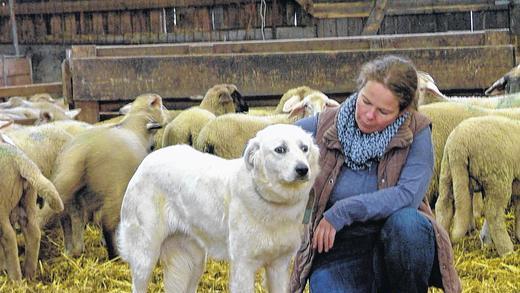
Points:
[327,28]
[156,21]
[66,79]
[31,89]
[203,18]
[89,111]
[218,17]
[515,19]
[18,66]
[114,78]
[363,8]
[97,24]
[26,30]
[113,23]
[70,25]
[40,28]
[19,79]
[71,6]
[231,19]
[375,18]
[56,25]
[477,38]
[126,22]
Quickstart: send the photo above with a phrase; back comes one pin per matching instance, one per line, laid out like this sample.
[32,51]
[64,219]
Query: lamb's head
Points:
[151,107]
[312,104]
[427,91]
[507,84]
[239,101]
[13,102]
[286,157]
[218,100]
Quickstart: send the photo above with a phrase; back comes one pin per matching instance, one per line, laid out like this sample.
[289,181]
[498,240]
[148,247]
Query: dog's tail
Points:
[30,172]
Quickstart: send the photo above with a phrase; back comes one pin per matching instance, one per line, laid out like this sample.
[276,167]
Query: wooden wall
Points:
[162,21]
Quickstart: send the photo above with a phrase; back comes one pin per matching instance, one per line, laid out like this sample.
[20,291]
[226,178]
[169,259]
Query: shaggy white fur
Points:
[182,204]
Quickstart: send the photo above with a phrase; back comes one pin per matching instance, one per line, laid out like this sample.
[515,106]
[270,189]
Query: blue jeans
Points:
[400,258]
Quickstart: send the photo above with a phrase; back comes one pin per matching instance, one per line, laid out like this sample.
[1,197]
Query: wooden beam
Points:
[122,78]
[307,5]
[112,5]
[363,8]
[31,89]
[375,18]
[430,40]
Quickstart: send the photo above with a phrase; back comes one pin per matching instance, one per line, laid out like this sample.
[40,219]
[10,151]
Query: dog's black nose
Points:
[301,170]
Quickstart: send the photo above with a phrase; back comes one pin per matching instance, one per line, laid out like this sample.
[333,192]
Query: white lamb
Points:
[427,93]
[485,149]
[20,181]
[185,128]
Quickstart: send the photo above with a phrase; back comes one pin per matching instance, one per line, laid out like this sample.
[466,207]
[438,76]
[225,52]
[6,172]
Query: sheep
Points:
[17,101]
[21,180]
[219,99]
[72,127]
[507,84]
[314,100]
[485,149]
[186,127]
[41,144]
[33,109]
[427,93]
[227,135]
[94,168]
[445,117]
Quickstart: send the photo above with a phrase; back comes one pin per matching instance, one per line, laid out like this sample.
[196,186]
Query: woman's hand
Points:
[323,236]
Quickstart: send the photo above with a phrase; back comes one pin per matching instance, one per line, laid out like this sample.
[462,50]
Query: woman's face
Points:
[376,107]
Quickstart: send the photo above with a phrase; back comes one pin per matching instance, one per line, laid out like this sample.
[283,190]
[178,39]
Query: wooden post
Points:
[89,111]
[12,17]
[66,77]
[375,18]
[515,26]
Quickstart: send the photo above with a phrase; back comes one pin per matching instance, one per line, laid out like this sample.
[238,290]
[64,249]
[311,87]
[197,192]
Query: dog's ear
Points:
[250,152]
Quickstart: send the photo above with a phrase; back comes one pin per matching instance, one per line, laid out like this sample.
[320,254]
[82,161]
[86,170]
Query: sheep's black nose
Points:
[301,170]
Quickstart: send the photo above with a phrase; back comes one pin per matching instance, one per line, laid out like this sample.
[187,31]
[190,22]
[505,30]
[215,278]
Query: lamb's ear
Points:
[224,98]
[125,109]
[250,152]
[298,110]
[291,103]
[331,103]
[73,113]
[155,101]
[498,86]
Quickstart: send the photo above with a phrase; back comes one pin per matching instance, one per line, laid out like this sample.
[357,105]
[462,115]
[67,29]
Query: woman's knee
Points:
[407,225]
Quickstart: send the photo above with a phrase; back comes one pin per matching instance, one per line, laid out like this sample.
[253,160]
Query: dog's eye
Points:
[280,149]
[304,148]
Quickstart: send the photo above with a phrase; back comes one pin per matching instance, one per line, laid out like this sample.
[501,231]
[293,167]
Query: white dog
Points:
[182,205]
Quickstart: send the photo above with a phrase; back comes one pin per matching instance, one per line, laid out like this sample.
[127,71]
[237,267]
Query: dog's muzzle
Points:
[302,172]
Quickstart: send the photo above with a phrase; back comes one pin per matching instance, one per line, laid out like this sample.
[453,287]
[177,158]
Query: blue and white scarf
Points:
[361,150]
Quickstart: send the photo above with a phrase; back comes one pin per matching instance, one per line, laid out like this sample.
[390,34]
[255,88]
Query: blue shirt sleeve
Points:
[309,124]
[409,191]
